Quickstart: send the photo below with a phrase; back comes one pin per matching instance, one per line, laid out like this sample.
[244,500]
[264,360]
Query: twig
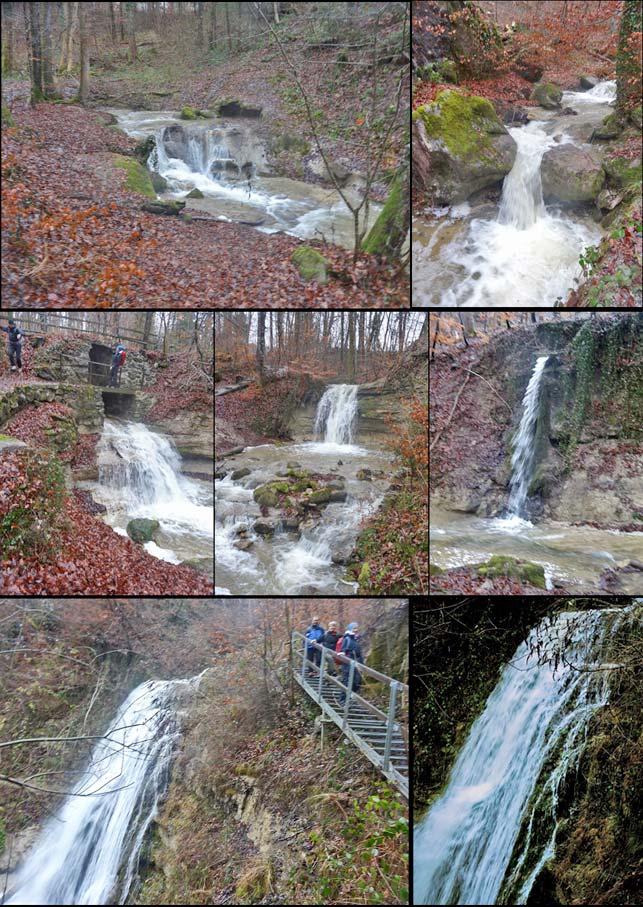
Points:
[453,408]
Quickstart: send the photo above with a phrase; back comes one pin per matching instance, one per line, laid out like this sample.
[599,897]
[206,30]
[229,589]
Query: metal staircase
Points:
[378,734]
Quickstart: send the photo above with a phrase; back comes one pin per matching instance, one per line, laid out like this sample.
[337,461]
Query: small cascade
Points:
[505,784]
[213,153]
[523,453]
[336,414]
[522,195]
[603,93]
[88,853]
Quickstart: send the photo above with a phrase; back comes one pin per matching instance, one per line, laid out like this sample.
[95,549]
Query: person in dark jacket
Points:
[116,364]
[329,642]
[351,648]
[314,633]
[15,345]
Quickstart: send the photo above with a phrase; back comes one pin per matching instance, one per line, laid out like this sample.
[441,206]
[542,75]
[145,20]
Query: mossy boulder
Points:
[610,128]
[144,148]
[268,495]
[195,193]
[189,113]
[622,172]
[289,142]
[322,496]
[636,117]
[311,264]
[459,146]
[547,94]
[138,177]
[173,206]
[572,174]
[158,182]
[142,530]
[525,571]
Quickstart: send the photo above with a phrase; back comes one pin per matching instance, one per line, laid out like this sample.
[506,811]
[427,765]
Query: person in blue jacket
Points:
[15,344]
[116,364]
[314,633]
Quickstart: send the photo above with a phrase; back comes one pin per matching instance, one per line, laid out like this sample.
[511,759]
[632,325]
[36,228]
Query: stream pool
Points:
[574,556]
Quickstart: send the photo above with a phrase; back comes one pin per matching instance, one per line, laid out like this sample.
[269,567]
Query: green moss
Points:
[320,497]
[138,177]
[311,264]
[142,530]
[547,94]
[610,127]
[189,113]
[435,571]
[7,118]
[392,223]
[501,565]
[463,123]
[195,193]
[622,172]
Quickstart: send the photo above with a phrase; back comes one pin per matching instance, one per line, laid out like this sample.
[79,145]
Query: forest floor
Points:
[73,234]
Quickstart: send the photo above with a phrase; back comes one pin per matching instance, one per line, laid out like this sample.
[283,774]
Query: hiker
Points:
[329,641]
[15,345]
[351,648]
[314,633]
[118,360]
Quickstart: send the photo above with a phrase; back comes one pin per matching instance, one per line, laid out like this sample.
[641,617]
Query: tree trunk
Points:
[628,68]
[69,37]
[121,19]
[112,22]
[83,91]
[227,26]
[32,28]
[212,33]
[147,327]
[199,24]
[131,31]
[8,43]
[261,344]
[275,12]
[48,86]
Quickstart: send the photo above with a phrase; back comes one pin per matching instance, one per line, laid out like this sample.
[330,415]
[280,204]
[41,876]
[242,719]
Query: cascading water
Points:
[140,477]
[519,751]
[522,193]
[336,414]
[88,853]
[522,457]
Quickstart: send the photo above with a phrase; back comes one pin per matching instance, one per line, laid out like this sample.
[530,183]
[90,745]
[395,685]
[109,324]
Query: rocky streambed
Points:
[287,516]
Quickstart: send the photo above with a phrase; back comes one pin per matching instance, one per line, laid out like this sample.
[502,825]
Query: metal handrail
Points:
[386,721]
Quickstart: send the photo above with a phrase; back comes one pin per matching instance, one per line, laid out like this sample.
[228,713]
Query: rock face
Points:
[587,82]
[459,147]
[547,94]
[610,128]
[85,401]
[191,432]
[572,174]
[79,360]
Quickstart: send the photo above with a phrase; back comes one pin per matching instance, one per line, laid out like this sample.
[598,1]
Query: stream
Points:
[226,160]
[520,252]
[307,560]
[140,477]
[88,852]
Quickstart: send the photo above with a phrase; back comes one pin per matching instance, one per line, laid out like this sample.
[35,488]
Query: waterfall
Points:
[523,453]
[506,780]
[603,93]
[140,471]
[88,853]
[336,414]
[522,195]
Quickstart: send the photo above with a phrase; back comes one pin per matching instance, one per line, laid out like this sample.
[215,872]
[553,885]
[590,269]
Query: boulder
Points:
[608,199]
[159,183]
[195,193]
[265,526]
[142,530]
[587,82]
[231,107]
[337,496]
[365,475]
[547,94]
[200,564]
[240,473]
[459,147]
[311,264]
[243,544]
[567,112]
[610,128]
[168,207]
[621,172]
[571,174]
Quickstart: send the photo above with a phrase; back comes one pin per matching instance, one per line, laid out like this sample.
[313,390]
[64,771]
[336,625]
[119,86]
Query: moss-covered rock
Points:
[572,174]
[189,113]
[501,565]
[322,496]
[195,193]
[547,94]
[622,172]
[459,146]
[144,148]
[610,128]
[142,530]
[158,182]
[311,264]
[138,177]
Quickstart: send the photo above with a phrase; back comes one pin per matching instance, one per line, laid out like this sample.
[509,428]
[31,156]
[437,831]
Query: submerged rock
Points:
[572,174]
[459,147]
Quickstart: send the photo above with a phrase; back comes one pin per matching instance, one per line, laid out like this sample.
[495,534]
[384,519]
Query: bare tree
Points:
[83,91]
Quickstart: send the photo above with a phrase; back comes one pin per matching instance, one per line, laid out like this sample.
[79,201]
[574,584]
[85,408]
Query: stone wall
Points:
[85,400]
[68,360]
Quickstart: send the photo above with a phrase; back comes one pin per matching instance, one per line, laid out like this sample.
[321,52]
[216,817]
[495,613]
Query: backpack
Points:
[338,648]
[122,358]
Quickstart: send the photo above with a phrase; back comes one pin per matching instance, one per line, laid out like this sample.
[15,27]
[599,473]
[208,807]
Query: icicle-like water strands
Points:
[336,414]
[88,853]
[523,453]
[535,720]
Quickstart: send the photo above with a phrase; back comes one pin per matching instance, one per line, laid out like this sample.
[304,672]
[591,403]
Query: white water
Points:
[88,853]
[298,561]
[337,413]
[529,254]
[523,451]
[464,845]
[140,477]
